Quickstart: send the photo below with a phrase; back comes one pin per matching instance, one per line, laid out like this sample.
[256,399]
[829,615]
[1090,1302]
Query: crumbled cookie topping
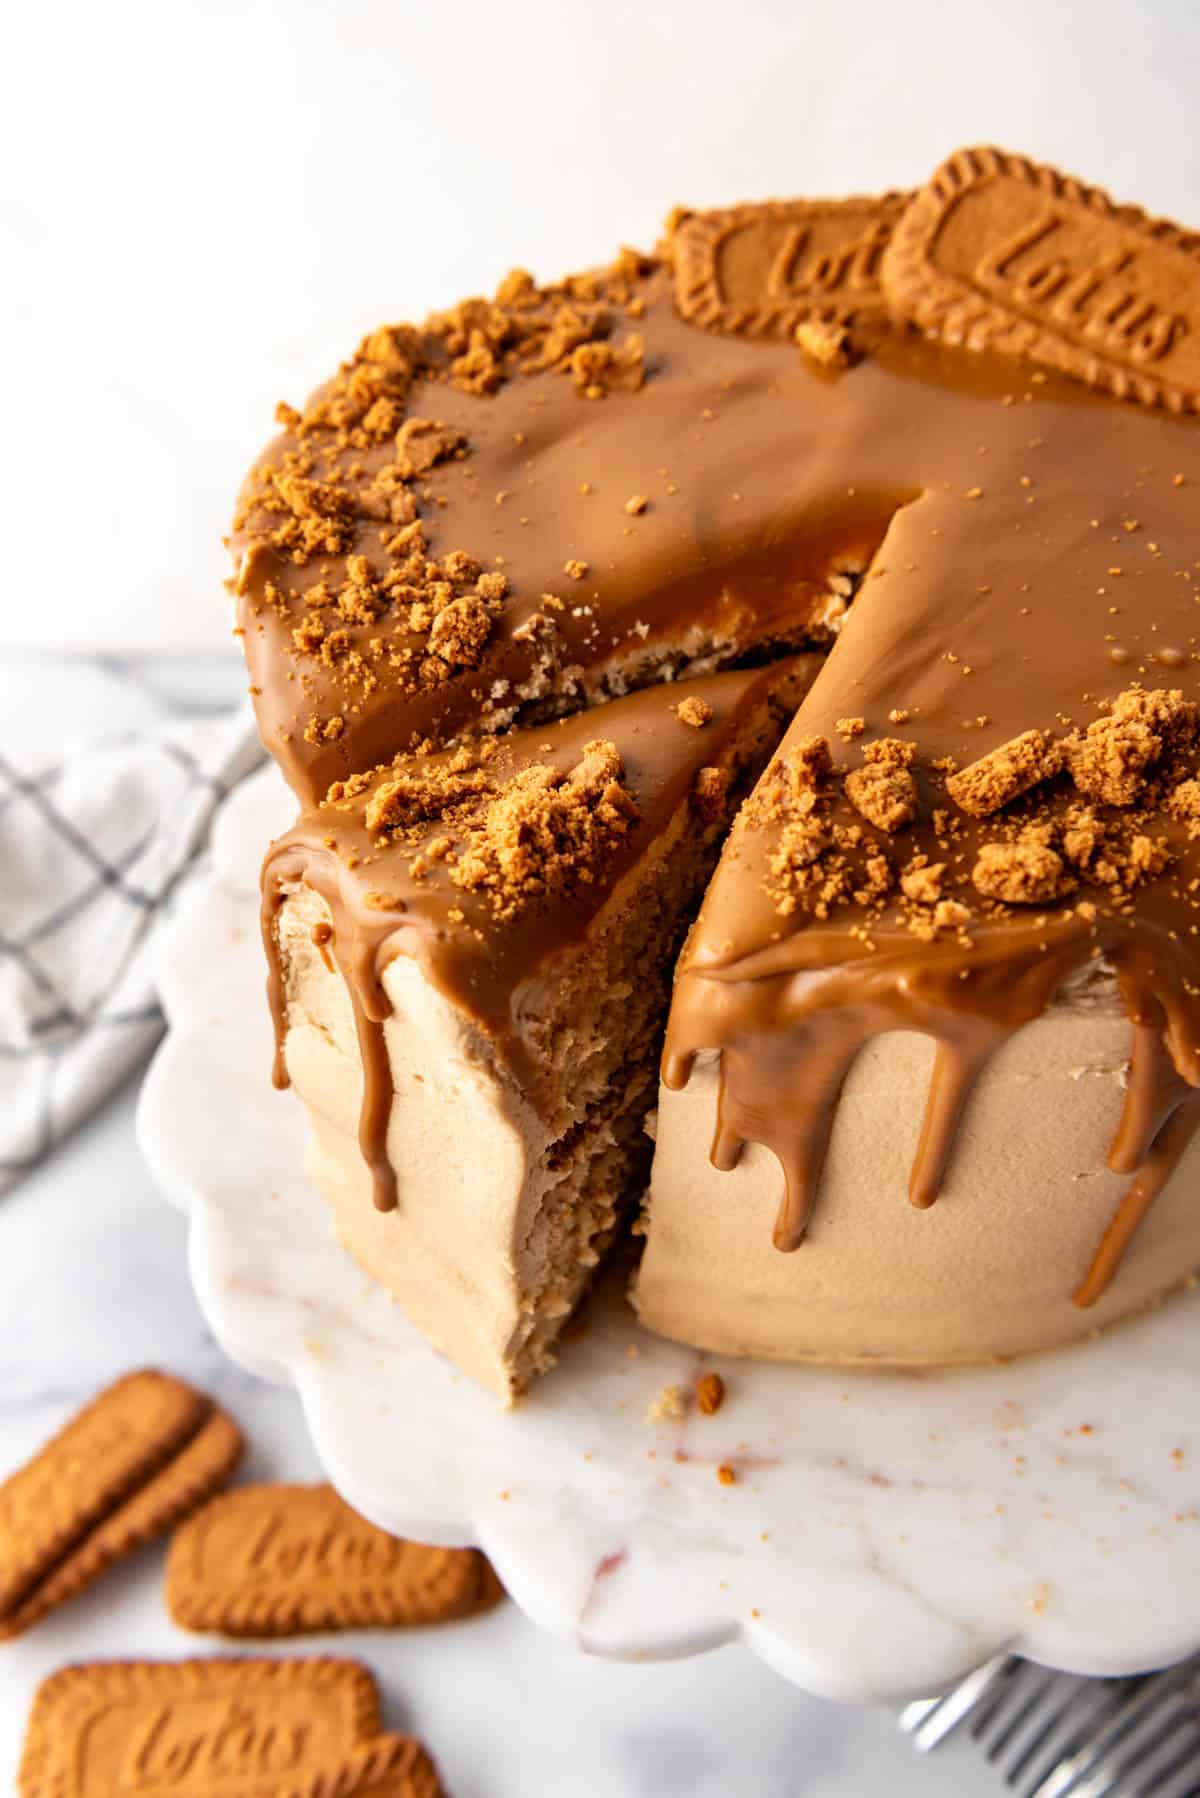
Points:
[538,834]
[998,778]
[825,342]
[545,834]
[1021,873]
[1027,824]
[1110,761]
[882,789]
[342,494]
[694,711]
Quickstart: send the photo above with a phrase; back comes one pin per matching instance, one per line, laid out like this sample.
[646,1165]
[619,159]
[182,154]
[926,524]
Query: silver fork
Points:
[1060,1735]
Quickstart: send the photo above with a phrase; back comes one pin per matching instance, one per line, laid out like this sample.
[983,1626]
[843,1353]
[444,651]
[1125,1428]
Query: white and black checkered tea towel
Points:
[93,842]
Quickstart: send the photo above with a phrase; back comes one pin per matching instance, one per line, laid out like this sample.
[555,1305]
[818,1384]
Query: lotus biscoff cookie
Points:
[227,1728]
[134,1461]
[763,270]
[280,1560]
[1002,253]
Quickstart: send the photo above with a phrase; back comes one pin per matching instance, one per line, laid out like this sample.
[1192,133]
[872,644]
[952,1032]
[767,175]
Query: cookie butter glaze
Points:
[1049,560]
[748,518]
[489,967]
[1032,551]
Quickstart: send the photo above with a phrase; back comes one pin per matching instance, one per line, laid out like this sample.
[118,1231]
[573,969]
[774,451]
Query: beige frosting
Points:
[986,1272]
[474,1251]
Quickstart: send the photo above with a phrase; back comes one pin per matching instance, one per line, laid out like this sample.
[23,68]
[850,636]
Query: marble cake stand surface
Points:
[883,1532]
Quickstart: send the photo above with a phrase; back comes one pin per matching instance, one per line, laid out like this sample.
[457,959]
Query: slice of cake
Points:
[933,1064]
[471,955]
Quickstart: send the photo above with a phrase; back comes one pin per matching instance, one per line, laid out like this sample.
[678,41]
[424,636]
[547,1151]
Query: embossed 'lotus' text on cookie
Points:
[201,1728]
[1048,270]
[998,252]
[762,270]
[275,1560]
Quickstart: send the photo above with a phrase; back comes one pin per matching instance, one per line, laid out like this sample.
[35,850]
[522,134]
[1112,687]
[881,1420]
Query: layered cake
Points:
[774,659]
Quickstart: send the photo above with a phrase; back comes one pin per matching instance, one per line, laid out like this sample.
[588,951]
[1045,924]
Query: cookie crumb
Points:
[421,444]
[1020,873]
[882,790]
[1004,773]
[546,833]
[826,343]
[666,1405]
[694,711]
[922,881]
[709,790]
[710,1394]
[1110,761]
[726,1475]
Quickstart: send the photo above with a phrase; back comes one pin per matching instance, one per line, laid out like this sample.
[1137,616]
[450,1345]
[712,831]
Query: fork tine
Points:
[1056,1735]
[930,1720]
[1016,1716]
[1187,1755]
[1060,1732]
[996,1702]
[1186,1759]
[1097,1702]
[1162,1725]
[1088,1773]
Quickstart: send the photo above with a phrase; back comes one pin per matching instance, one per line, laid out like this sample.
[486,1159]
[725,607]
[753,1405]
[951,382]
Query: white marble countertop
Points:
[93,1281]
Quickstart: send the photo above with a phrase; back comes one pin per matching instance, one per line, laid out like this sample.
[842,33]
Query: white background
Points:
[203,203]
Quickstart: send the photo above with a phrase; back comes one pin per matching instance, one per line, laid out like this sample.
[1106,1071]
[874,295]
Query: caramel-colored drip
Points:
[355,958]
[376,1103]
[379,908]
[1162,1158]
[272,898]
[788,1032]
[1158,1120]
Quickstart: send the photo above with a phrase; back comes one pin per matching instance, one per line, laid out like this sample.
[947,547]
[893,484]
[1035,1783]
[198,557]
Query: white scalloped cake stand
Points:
[885,1532]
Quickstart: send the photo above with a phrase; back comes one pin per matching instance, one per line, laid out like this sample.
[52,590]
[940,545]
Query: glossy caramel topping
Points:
[618,539]
[1032,589]
[485,864]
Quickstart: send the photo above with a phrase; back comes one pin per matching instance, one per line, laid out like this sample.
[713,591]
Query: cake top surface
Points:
[483,861]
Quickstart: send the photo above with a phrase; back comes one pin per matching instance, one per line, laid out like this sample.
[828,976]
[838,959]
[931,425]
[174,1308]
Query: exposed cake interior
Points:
[491,934]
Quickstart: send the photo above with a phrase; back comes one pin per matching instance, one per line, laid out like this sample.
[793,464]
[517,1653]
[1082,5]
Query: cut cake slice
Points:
[471,957]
